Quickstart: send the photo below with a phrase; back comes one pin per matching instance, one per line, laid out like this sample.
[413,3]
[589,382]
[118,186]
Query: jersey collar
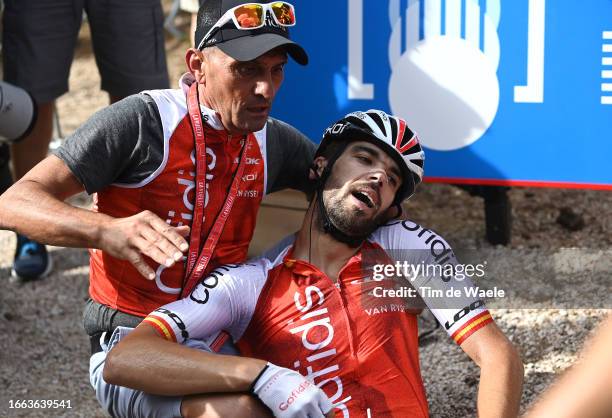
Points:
[305,269]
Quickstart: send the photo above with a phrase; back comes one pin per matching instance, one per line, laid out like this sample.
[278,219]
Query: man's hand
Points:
[289,394]
[144,234]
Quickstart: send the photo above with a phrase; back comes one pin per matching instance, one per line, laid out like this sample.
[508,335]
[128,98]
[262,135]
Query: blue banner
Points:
[515,92]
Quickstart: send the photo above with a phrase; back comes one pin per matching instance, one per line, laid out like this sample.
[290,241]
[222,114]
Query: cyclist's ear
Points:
[317,167]
[395,211]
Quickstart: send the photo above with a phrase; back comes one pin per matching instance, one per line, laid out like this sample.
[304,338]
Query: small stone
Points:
[56,311]
[570,220]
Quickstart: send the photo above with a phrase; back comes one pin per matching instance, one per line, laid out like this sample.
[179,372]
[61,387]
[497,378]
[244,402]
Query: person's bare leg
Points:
[33,149]
[31,258]
[223,405]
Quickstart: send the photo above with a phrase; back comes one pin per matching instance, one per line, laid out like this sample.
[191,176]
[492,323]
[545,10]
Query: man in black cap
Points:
[176,174]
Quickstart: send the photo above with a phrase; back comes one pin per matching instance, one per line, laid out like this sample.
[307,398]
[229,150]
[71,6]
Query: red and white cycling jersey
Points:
[361,350]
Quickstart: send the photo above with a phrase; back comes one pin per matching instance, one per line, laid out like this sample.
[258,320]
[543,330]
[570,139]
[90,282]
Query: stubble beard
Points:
[351,221]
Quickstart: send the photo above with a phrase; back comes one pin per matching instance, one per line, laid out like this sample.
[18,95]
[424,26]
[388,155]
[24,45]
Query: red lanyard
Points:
[198,260]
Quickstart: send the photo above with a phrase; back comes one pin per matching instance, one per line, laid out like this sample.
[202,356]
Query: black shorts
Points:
[39,37]
[98,318]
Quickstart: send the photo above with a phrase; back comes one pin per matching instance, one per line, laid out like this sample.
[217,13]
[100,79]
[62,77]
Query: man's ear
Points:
[395,211]
[195,63]
[317,167]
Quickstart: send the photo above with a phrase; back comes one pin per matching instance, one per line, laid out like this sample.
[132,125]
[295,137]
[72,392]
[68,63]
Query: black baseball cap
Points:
[243,45]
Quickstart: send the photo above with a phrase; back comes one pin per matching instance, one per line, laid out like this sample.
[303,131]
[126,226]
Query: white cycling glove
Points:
[289,394]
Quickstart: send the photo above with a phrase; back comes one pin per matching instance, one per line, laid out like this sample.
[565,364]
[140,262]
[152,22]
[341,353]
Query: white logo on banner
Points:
[445,86]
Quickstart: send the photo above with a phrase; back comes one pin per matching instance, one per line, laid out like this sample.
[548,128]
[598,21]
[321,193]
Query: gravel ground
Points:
[44,353]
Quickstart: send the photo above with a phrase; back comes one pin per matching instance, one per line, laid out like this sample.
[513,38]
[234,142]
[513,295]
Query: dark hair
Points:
[331,153]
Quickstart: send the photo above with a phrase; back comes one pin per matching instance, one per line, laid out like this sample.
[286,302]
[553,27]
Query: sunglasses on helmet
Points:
[251,16]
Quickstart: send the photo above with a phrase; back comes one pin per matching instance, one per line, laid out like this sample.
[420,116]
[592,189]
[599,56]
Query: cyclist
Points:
[313,337]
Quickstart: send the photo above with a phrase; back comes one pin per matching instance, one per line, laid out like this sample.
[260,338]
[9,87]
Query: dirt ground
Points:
[44,352]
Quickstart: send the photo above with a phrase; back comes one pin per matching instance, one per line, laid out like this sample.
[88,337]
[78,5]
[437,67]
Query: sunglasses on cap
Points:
[251,16]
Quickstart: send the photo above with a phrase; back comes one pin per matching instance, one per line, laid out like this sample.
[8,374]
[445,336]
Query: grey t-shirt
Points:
[124,143]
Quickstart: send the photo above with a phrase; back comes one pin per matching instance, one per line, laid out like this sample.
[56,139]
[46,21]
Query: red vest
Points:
[169,193]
